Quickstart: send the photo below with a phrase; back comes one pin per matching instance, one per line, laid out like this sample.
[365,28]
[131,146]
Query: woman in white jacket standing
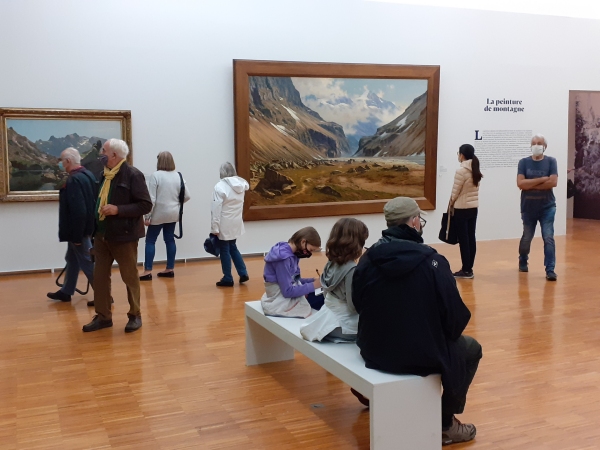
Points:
[227,223]
[164,187]
[465,201]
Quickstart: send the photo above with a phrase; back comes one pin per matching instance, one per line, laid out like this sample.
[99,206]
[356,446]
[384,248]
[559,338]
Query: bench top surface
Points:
[338,359]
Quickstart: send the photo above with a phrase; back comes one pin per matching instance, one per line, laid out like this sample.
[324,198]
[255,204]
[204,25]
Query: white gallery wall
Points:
[170,63]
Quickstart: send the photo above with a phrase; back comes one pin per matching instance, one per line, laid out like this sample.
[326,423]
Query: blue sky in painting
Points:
[349,101]
[35,129]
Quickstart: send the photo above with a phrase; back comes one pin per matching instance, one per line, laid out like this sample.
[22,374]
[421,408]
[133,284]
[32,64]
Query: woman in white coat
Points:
[227,223]
[164,187]
[465,201]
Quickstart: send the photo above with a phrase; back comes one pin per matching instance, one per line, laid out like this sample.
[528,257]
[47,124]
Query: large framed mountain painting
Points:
[31,141]
[320,139]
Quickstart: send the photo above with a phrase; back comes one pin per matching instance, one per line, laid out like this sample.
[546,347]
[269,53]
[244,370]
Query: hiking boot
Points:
[59,295]
[463,274]
[551,276]
[458,432]
[523,268]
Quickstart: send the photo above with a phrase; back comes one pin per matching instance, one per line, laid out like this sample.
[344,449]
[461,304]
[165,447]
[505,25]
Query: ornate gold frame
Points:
[243,69]
[67,114]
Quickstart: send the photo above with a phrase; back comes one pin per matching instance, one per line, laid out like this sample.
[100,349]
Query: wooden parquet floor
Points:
[181,382]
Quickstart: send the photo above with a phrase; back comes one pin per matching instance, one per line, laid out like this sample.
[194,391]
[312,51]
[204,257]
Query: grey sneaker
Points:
[458,432]
[551,276]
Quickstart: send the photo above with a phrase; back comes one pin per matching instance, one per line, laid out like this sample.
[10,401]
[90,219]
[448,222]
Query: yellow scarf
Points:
[109,174]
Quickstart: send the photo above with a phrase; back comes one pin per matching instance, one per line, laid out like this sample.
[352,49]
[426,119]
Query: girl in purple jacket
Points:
[285,291]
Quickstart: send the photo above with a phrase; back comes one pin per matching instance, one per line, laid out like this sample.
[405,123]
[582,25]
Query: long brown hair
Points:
[468,151]
[309,234]
[346,240]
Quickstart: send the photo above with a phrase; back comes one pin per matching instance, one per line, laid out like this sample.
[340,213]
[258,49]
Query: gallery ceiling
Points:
[584,9]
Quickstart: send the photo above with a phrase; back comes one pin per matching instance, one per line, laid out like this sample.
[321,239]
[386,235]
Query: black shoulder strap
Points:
[181,200]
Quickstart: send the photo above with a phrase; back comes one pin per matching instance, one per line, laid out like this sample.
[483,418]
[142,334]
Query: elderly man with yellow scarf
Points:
[122,203]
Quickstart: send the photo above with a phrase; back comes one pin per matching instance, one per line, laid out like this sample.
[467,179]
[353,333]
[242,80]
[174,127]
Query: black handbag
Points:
[181,201]
[448,229]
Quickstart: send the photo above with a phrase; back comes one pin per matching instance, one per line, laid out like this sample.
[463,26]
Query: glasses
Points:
[423,222]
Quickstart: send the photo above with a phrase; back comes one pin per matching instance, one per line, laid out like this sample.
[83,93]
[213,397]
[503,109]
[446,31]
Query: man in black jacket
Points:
[411,315]
[77,199]
[122,203]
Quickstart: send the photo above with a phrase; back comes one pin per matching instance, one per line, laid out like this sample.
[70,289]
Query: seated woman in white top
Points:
[164,187]
[337,320]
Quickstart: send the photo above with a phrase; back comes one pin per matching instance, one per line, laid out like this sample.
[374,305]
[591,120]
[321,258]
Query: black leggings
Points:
[465,221]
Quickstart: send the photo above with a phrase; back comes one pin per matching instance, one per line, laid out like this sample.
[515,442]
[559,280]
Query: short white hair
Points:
[227,170]
[72,155]
[118,146]
[539,136]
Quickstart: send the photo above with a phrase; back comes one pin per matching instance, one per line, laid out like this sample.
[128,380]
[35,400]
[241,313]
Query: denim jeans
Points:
[168,230]
[229,252]
[453,402]
[78,258]
[546,219]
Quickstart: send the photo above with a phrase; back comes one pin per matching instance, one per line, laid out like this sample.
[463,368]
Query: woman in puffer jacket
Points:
[465,202]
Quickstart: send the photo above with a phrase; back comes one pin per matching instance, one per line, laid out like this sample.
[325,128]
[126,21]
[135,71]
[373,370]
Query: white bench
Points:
[405,410]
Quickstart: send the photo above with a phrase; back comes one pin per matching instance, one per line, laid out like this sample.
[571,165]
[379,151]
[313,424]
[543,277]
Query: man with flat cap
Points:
[411,315]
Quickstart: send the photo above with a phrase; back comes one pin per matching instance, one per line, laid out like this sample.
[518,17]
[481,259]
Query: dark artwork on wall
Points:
[586,126]
[31,141]
[318,139]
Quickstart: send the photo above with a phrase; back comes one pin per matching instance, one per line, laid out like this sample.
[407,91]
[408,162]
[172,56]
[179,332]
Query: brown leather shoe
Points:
[97,324]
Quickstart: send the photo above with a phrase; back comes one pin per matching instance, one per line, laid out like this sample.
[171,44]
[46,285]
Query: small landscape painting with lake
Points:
[315,140]
[35,145]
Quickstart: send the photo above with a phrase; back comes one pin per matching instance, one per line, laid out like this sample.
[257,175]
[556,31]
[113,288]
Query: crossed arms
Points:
[537,184]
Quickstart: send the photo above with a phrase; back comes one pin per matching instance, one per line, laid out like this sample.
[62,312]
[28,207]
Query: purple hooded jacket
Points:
[281,267]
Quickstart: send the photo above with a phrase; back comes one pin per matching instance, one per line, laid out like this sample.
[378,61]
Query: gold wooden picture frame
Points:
[305,158]
[31,141]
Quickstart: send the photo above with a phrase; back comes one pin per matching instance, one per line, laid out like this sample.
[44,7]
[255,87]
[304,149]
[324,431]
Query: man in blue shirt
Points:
[536,177]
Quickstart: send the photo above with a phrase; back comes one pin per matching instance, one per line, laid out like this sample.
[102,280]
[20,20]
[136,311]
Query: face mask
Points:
[303,253]
[103,159]
[61,167]
[537,150]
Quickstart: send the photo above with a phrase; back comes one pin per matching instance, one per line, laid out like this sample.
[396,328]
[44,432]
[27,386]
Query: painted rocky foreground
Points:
[334,180]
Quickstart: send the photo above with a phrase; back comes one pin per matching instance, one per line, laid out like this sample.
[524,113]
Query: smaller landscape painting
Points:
[32,140]
[34,148]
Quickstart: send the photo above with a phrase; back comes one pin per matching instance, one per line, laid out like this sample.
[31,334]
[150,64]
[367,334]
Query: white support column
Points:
[262,346]
[407,415]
